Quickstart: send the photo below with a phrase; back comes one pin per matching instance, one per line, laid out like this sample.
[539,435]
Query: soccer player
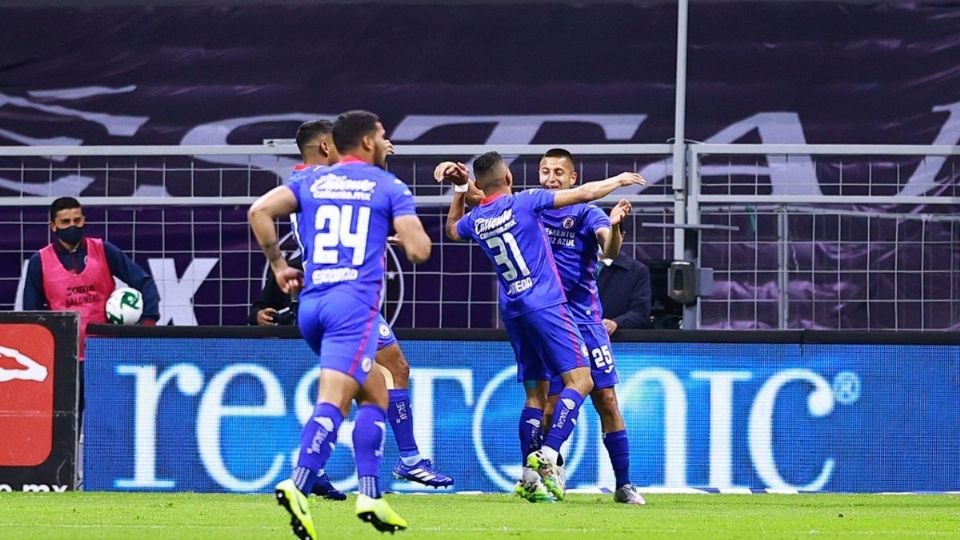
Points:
[317,148]
[343,216]
[534,309]
[576,234]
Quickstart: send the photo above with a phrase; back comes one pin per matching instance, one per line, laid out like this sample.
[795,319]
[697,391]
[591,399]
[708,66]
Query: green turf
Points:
[584,517]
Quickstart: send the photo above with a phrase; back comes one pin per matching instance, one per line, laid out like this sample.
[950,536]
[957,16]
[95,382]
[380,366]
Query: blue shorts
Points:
[546,341]
[341,331]
[385,337]
[602,367]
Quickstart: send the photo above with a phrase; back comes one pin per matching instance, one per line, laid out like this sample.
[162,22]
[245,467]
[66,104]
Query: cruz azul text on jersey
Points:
[561,238]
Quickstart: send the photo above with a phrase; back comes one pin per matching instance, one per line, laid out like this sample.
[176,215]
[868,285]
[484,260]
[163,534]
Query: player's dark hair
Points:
[308,131]
[485,169]
[560,153]
[63,203]
[351,127]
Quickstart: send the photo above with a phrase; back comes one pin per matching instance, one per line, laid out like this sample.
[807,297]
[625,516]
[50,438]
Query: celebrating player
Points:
[344,213]
[576,234]
[317,148]
[542,332]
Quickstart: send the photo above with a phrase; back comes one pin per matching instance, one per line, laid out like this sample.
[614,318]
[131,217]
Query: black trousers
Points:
[80,401]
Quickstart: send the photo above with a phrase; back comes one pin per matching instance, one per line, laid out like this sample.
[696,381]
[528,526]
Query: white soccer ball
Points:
[125,306]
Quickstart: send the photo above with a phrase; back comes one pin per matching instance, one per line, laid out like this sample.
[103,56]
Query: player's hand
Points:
[449,171]
[265,317]
[631,179]
[610,326]
[389,147]
[394,241]
[440,171]
[620,211]
[289,280]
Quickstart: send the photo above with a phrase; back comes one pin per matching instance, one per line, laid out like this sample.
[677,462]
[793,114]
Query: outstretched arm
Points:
[592,191]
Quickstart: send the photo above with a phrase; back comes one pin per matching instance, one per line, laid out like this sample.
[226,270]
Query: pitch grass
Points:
[584,517]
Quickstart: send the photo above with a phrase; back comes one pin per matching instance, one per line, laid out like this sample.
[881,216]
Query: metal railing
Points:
[800,213]
[840,236]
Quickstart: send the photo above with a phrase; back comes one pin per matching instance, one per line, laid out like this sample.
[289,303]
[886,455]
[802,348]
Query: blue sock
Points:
[401,421]
[531,431]
[619,449]
[369,431]
[317,440]
[564,419]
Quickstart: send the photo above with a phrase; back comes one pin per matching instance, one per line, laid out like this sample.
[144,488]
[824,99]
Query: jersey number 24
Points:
[333,226]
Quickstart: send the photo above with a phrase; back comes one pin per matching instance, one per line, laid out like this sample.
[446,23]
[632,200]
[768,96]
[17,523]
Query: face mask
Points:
[70,235]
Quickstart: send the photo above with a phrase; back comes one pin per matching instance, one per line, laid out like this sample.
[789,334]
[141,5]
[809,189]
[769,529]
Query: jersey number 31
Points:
[504,255]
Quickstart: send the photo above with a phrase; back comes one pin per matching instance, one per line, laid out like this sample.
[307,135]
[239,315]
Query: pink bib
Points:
[86,292]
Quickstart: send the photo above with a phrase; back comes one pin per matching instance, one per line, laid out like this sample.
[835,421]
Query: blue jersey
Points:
[509,231]
[344,213]
[573,237]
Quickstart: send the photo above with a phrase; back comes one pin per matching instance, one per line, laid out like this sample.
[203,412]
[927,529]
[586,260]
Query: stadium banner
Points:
[224,415]
[38,401]
[770,72]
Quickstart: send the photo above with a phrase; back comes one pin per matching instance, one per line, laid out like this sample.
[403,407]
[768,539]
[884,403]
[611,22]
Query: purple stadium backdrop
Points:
[467,74]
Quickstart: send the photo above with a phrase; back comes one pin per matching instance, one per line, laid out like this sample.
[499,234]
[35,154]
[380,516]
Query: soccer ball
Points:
[125,306]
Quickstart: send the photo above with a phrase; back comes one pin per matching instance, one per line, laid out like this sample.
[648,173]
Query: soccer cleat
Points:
[627,494]
[531,488]
[295,503]
[323,488]
[422,473]
[379,514]
[550,473]
[534,494]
